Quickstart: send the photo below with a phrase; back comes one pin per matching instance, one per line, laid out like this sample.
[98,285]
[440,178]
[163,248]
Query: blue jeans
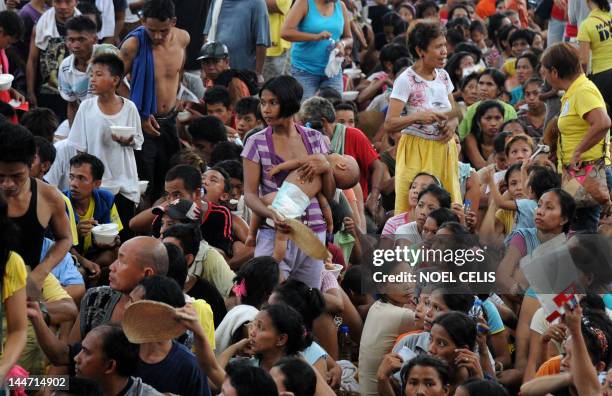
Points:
[587,219]
[313,83]
[556,30]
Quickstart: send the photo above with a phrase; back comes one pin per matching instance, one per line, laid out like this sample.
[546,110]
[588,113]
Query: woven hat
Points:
[304,238]
[151,321]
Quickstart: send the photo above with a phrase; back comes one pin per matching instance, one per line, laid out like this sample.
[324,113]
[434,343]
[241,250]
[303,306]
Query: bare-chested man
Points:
[160,41]
[33,205]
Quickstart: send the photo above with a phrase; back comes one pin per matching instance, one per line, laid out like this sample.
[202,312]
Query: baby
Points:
[293,197]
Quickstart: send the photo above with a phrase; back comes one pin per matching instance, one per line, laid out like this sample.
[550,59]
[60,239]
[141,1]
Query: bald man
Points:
[138,258]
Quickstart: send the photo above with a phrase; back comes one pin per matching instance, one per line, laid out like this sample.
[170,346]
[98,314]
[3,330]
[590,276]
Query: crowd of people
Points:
[191,194]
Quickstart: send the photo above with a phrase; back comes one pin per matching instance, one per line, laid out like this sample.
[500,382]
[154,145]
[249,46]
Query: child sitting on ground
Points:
[294,196]
[217,187]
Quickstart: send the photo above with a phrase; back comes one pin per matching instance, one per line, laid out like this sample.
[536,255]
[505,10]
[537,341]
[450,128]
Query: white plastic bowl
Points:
[105,233]
[123,131]
[336,270]
[6,80]
[350,95]
[142,186]
[353,73]
[112,187]
[183,116]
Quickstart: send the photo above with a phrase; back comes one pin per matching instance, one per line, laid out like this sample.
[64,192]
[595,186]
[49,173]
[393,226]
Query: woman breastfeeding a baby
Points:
[309,187]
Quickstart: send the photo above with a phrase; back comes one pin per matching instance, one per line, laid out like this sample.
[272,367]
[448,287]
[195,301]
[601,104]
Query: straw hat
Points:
[151,321]
[304,238]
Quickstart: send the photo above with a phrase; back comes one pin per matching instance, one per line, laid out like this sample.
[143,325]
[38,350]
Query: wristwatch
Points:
[45,312]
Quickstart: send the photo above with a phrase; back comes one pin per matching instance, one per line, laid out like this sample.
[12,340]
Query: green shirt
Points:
[466,124]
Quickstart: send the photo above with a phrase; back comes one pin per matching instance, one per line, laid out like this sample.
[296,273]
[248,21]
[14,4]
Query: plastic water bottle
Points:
[345,343]
[467,206]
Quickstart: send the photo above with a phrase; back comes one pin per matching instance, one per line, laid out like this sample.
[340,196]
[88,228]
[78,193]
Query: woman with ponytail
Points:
[277,331]
[310,304]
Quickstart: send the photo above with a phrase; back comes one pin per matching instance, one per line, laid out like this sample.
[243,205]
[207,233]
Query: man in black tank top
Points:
[33,205]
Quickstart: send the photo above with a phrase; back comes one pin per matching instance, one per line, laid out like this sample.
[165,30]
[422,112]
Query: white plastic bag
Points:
[334,64]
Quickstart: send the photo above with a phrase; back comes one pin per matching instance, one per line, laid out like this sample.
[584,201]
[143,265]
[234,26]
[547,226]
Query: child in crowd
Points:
[497,221]
[536,180]
[478,34]
[499,150]
[91,132]
[41,121]
[45,155]
[236,179]
[217,187]
[206,132]
[346,114]
[518,149]
[248,116]
[295,194]
[218,104]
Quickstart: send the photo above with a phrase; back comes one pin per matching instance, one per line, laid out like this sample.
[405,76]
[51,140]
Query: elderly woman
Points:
[583,122]
[283,139]
[419,106]
[319,113]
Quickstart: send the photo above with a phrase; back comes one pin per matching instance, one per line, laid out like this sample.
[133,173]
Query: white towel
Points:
[46,28]
[348,383]
[235,318]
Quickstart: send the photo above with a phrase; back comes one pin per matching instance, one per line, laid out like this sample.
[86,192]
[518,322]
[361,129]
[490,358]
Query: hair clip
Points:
[240,289]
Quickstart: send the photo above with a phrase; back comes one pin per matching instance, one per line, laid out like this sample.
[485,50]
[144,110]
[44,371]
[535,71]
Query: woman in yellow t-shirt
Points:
[13,275]
[583,121]
[595,39]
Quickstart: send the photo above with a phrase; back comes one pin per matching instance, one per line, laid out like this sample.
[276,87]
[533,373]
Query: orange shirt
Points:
[485,8]
[519,6]
[550,367]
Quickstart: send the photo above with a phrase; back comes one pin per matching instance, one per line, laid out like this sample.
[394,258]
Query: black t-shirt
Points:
[205,290]
[61,28]
[217,228]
